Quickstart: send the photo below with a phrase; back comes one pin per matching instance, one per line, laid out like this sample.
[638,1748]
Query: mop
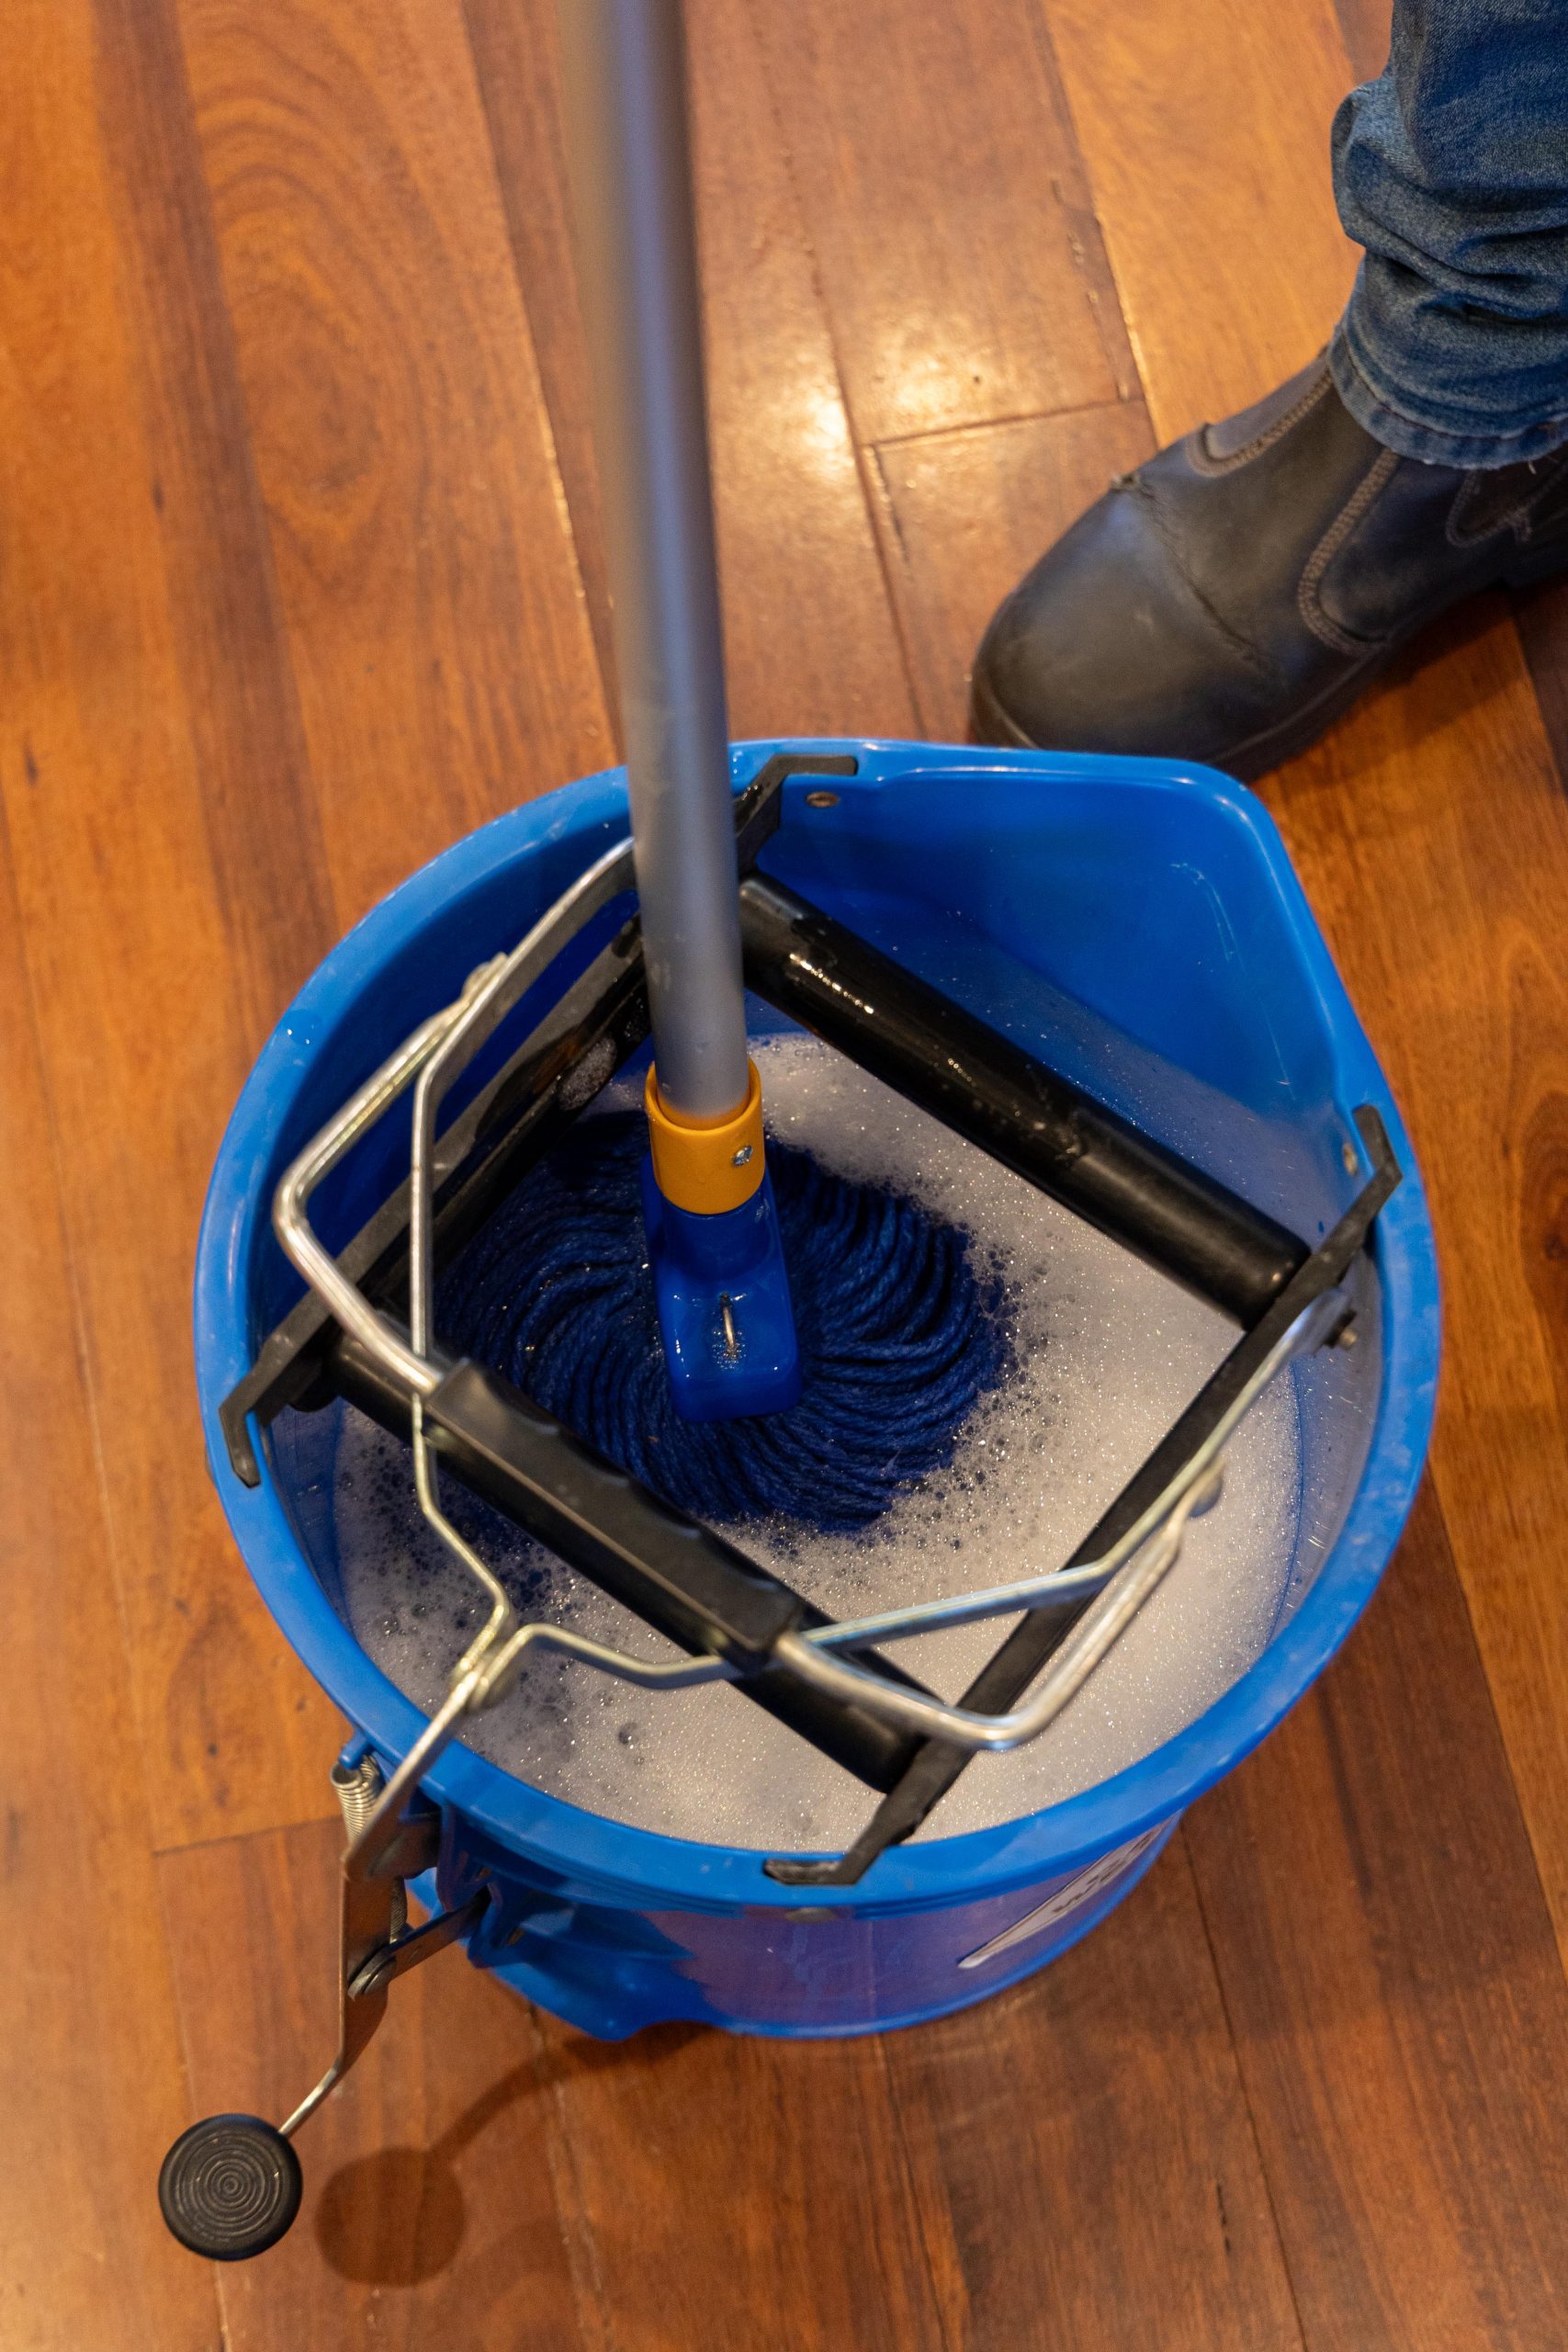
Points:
[645,1293]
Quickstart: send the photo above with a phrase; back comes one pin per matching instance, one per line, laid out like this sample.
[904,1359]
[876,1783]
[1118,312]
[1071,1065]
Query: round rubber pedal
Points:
[230,2187]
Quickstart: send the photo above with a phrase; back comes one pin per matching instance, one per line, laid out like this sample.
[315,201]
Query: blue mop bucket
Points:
[1141,925]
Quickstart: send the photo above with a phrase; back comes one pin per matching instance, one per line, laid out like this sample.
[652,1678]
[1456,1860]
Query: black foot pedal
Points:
[230,2187]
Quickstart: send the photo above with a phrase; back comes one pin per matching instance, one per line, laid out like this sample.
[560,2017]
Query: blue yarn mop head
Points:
[899,1334]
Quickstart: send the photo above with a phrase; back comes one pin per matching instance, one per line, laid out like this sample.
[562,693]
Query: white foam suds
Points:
[1108,1353]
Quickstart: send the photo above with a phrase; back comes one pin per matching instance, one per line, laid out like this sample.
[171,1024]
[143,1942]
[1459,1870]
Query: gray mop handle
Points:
[631,186]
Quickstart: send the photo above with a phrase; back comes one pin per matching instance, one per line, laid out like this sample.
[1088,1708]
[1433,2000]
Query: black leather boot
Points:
[1235,594]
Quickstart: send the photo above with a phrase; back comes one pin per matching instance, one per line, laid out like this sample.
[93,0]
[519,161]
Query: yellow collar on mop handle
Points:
[712,1166]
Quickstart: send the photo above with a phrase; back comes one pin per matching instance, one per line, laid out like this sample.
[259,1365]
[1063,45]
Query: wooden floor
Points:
[301,576]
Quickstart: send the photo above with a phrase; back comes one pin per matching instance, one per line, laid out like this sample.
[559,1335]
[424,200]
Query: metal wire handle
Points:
[1119,1583]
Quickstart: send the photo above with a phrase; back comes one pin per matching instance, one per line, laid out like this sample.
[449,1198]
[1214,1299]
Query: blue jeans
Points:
[1451,170]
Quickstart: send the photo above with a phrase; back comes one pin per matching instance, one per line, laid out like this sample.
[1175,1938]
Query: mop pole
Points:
[631,184]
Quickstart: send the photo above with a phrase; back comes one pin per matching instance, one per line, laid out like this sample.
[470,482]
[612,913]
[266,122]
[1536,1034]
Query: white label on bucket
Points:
[1069,1896]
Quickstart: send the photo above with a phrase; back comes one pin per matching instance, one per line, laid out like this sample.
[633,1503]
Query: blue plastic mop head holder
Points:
[717,1261]
[724,1315]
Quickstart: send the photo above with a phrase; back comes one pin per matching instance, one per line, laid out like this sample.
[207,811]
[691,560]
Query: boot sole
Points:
[1260,754]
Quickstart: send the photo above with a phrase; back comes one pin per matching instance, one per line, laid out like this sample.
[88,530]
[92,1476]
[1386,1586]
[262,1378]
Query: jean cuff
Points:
[1393,422]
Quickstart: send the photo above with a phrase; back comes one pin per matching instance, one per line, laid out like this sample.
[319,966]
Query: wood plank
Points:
[807,630]
[517,67]
[429,2214]
[151,992]
[1432,834]
[1087,2139]
[1364,27]
[1540,615]
[89,2049]
[959,255]
[965,516]
[1205,134]
[938,2186]
[258,800]
[740,2194]
[1391,1974]
[435,612]
[809,643]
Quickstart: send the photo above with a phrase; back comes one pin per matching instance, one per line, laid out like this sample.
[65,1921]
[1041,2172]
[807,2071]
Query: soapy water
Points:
[1106,1353]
